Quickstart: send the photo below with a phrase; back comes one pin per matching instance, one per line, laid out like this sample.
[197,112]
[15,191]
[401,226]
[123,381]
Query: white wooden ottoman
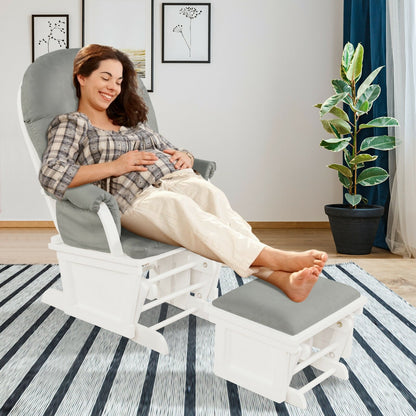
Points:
[262,338]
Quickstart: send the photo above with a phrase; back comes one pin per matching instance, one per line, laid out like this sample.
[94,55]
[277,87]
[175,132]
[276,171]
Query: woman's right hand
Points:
[133,161]
[128,162]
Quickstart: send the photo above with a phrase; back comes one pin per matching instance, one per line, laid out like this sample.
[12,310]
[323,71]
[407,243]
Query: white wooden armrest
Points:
[110,230]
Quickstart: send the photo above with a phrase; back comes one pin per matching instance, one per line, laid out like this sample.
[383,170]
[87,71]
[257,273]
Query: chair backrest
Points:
[47,90]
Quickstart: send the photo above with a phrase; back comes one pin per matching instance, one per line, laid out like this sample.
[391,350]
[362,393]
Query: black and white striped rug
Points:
[52,364]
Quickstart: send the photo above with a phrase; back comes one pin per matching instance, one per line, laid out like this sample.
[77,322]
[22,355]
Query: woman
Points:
[160,197]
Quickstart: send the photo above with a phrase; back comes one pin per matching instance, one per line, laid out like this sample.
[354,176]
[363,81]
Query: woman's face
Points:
[103,85]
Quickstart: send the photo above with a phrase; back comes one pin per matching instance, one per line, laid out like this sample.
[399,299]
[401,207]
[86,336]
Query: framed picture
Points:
[126,25]
[49,33]
[186,32]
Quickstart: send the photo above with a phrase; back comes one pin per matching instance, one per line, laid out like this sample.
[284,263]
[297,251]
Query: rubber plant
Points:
[345,128]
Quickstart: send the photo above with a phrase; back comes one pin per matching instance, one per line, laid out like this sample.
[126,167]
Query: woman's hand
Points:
[133,161]
[180,159]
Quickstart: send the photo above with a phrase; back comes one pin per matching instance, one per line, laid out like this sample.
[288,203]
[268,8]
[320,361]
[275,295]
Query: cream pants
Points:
[183,209]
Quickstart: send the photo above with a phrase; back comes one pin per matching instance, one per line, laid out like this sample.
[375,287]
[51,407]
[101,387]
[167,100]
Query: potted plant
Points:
[355,224]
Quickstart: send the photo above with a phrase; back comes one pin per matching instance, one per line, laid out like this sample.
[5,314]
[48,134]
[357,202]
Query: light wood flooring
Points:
[29,245]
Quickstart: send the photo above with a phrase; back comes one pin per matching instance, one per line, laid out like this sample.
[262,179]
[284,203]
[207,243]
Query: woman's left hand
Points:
[180,159]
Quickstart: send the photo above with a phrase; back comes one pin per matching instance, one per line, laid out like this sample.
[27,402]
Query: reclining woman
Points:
[160,197]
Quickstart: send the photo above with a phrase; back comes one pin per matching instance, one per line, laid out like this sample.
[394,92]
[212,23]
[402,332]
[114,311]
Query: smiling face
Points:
[101,87]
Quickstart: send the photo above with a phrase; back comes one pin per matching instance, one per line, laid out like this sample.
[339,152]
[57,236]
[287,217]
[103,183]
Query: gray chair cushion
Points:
[205,167]
[261,302]
[47,91]
[140,247]
[78,222]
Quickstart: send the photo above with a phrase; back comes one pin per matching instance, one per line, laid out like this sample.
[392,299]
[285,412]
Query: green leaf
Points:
[346,182]
[372,176]
[331,102]
[367,82]
[363,107]
[353,199]
[335,145]
[362,159]
[356,66]
[340,113]
[334,130]
[336,111]
[347,55]
[371,94]
[343,74]
[341,126]
[341,168]
[347,156]
[380,122]
[341,86]
[379,143]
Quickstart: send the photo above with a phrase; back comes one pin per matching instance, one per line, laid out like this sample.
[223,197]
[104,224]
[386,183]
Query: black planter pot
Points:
[354,230]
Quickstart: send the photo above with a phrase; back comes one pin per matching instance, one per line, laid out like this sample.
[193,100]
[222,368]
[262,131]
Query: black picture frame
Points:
[129,29]
[49,33]
[186,32]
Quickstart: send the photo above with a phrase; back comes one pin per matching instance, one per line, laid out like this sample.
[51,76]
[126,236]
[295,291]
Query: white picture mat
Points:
[175,47]
[123,24]
[41,30]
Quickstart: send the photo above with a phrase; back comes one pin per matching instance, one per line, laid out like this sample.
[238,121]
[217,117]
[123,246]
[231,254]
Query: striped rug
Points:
[52,364]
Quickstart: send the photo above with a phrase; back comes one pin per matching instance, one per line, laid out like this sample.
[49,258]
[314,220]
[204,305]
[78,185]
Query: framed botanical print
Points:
[186,32]
[49,33]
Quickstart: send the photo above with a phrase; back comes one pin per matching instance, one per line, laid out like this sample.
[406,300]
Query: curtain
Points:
[365,23]
[401,232]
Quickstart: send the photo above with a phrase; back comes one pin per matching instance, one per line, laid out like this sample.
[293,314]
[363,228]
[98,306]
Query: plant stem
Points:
[355,151]
[354,146]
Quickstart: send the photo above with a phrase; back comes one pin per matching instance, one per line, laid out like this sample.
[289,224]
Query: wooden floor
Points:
[28,246]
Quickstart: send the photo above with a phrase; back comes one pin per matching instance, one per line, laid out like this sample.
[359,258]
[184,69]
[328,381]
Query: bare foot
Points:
[290,261]
[296,285]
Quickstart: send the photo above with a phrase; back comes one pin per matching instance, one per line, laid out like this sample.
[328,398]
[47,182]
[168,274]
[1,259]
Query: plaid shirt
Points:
[73,141]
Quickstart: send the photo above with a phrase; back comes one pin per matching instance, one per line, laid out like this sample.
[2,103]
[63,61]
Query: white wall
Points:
[250,109]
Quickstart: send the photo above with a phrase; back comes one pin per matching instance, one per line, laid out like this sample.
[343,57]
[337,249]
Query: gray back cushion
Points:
[47,91]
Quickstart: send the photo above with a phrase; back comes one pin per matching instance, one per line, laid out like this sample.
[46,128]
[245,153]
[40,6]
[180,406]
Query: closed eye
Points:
[106,76]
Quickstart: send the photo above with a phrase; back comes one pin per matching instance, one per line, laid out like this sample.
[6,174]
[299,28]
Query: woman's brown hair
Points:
[128,108]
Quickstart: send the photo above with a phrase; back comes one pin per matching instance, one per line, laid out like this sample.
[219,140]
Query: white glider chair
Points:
[107,272]
[262,339]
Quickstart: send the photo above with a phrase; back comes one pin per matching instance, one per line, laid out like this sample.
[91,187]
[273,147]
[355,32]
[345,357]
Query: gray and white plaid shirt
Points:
[73,141]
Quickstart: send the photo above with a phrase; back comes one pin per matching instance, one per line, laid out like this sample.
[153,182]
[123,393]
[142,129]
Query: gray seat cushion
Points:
[140,247]
[261,302]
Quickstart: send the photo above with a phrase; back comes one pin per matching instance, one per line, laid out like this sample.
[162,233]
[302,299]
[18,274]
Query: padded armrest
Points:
[78,222]
[205,167]
[90,197]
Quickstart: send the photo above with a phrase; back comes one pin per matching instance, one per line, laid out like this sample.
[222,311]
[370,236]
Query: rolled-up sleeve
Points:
[59,161]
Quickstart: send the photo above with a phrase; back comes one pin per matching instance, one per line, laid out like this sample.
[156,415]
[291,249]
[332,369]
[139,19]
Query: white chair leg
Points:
[150,338]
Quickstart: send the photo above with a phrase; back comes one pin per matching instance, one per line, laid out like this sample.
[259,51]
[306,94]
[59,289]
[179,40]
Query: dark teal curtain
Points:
[365,23]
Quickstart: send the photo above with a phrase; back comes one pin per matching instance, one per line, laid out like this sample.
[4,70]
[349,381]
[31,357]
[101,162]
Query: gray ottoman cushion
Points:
[261,302]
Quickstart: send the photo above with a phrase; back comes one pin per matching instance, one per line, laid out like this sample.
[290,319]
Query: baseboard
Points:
[27,224]
[254,224]
[289,224]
